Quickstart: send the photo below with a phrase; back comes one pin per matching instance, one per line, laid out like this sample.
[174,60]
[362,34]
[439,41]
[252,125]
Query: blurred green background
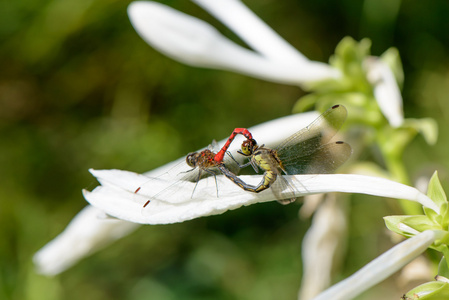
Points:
[80,89]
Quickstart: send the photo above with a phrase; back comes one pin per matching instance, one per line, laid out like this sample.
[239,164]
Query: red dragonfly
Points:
[206,161]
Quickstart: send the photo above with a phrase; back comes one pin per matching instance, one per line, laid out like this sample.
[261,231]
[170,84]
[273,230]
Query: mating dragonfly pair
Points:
[308,151]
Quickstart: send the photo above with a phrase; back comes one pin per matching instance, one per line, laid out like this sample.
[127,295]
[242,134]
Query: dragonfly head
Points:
[249,146]
[192,159]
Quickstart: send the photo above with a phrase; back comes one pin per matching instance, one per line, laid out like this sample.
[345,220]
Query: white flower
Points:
[197,43]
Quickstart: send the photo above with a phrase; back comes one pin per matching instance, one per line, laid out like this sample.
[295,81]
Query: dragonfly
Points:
[205,161]
[308,151]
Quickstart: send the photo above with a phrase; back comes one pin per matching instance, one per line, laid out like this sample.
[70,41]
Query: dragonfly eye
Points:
[248,147]
[191,159]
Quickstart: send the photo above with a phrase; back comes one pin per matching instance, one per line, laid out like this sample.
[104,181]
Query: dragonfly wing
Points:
[190,175]
[319,132]
[324,160]
[282,187]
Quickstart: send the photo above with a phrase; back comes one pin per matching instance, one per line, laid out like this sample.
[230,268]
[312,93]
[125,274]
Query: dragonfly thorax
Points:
[266,159]
[203,159]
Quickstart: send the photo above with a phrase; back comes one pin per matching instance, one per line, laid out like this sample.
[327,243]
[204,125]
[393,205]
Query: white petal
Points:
[176,34]
[258,35]
[351,183]
[380,268]
[115,196]
[386,90]
[407,229]
[195,42]
[86,233]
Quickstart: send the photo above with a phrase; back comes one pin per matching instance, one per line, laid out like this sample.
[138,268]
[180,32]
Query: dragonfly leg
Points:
[238,164]
[215,178]
[267,180]
[197,180]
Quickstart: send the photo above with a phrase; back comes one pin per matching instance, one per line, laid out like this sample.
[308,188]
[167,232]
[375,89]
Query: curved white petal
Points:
[90,230]
[195,42]
[407,229]
[386,90]
[116,196]
[380,268]
[258,35]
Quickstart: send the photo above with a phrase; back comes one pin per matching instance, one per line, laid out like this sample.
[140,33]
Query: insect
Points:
[205,162]
[308,151]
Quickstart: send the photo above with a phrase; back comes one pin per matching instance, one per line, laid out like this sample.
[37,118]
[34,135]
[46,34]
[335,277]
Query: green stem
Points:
[398,172]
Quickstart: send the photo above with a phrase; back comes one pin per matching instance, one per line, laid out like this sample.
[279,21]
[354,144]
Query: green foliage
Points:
[438,221]
[435,191]
[430,221]
[443,268]
[354,91]
[429,291]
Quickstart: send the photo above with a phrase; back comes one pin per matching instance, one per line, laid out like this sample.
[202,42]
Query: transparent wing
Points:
[323,160]
[319,132]
[180,171]
[181,179]
[282,186]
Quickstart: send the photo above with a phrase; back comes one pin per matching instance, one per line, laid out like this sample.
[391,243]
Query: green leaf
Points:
[421,223]
[435,290]
[433,216]
[444,221]
[393,223]
[435,191]
[418,223]
[443,269]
